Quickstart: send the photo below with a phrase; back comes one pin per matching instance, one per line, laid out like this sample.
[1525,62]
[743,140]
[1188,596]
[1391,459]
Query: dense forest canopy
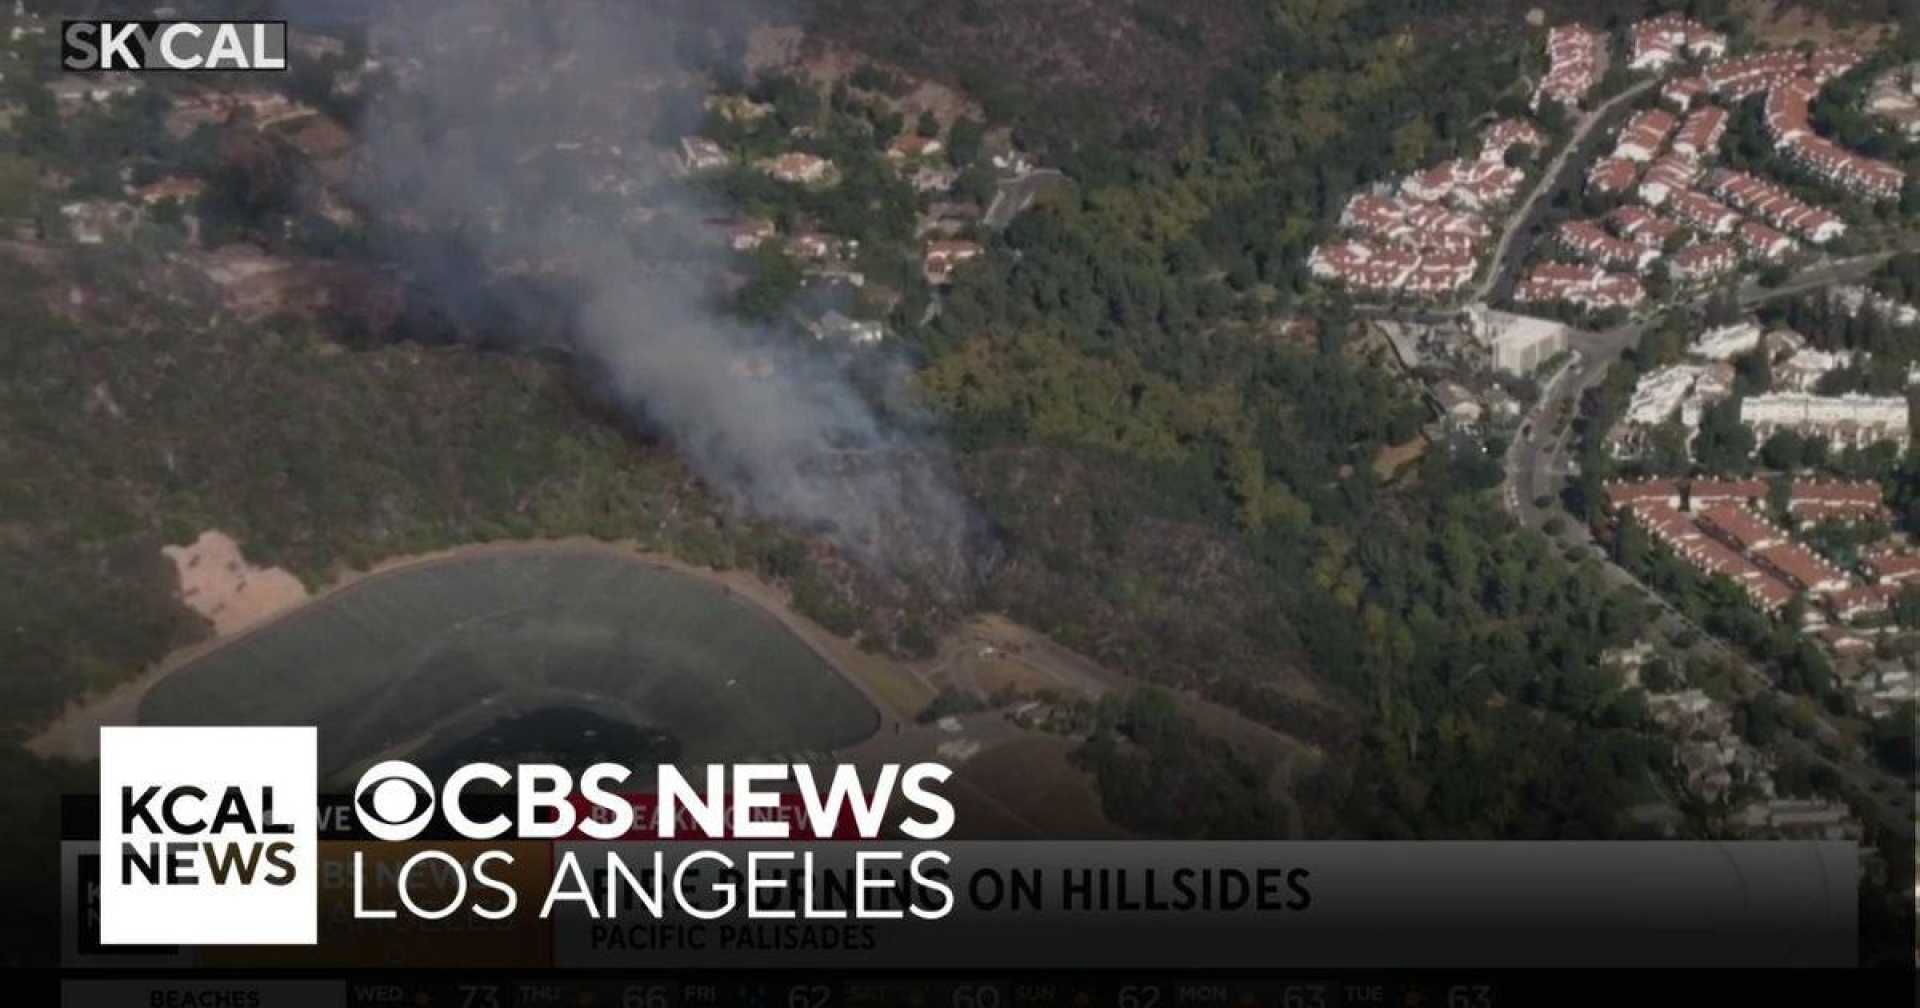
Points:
[1118,381]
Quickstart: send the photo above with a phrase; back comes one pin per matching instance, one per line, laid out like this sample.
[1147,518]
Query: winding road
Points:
[1537,467]
[1546,183]
[1537,463]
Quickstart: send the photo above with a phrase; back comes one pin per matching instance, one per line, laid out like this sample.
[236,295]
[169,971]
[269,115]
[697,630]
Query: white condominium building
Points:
[1856,420]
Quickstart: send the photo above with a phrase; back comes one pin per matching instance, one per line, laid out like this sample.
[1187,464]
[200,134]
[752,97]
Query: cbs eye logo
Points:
[394,800]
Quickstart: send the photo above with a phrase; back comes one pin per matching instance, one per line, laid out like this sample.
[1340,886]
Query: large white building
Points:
[1659,393]
[1804,369]
[1677,391]
[1519,344]
[1726,342]
[1848,420]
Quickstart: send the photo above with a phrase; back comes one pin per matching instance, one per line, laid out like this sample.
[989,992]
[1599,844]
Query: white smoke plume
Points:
[534,126]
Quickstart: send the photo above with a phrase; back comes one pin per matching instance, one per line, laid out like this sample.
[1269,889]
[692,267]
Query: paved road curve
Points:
[1537,465]
[1014,195]
[1545,182]
[1536,462]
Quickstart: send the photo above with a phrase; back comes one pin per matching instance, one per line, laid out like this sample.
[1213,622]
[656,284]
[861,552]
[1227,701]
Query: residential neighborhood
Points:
[1425,236]
[1745,476]
[1697,223]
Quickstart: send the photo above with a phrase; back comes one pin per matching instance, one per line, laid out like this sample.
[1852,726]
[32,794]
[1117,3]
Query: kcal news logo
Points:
[207,836]
[205,46]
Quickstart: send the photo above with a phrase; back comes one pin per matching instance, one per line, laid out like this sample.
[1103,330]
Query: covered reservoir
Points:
[563,652]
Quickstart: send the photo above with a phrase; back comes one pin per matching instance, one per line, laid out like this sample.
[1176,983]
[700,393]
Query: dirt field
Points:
[215,581]
[1388,463]
[992,652]
[218,583]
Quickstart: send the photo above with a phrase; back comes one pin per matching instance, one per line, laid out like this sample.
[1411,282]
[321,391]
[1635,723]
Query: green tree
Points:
[773,280]
[1785,450]
[1667,447]
[964,140]
[1724,445]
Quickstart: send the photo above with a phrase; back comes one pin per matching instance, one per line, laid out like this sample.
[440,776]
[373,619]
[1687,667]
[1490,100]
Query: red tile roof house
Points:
[1611,175]
[1431,185]
[1488,186]
[1441,272]
[1810,501]
[1786,110]
[747,235]
[1764,243]
[1859,600]
[1576,59]
[1775,206]
[810,245]
[1417,225]
[1829,62]
[1700,135]
[943,256]
[1475,185]
[797,166]
[1863,176]
[1429,218]
[172,187]
[1716,559]
[1801,567]
[1818,512]
[1739,527]
[1682,92]
[1441,241]
[1792,131]
[1704,262]
[1707,493]
[1670,174]
[1644,134]
[1682,536]
[1590,241]
[698,153]
[1361,265]
[1586,286]
[1746,76]
[1702,212]
[1892,568]
[1767,593]
[1496,139]
[1388,269]
[913,145]
[1846,643]
[1670,528]
[1632,493]
[1641,226]
[1374,215]
[1657,42]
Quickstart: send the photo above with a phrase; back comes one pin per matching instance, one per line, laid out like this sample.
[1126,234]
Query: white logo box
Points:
[137,911]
